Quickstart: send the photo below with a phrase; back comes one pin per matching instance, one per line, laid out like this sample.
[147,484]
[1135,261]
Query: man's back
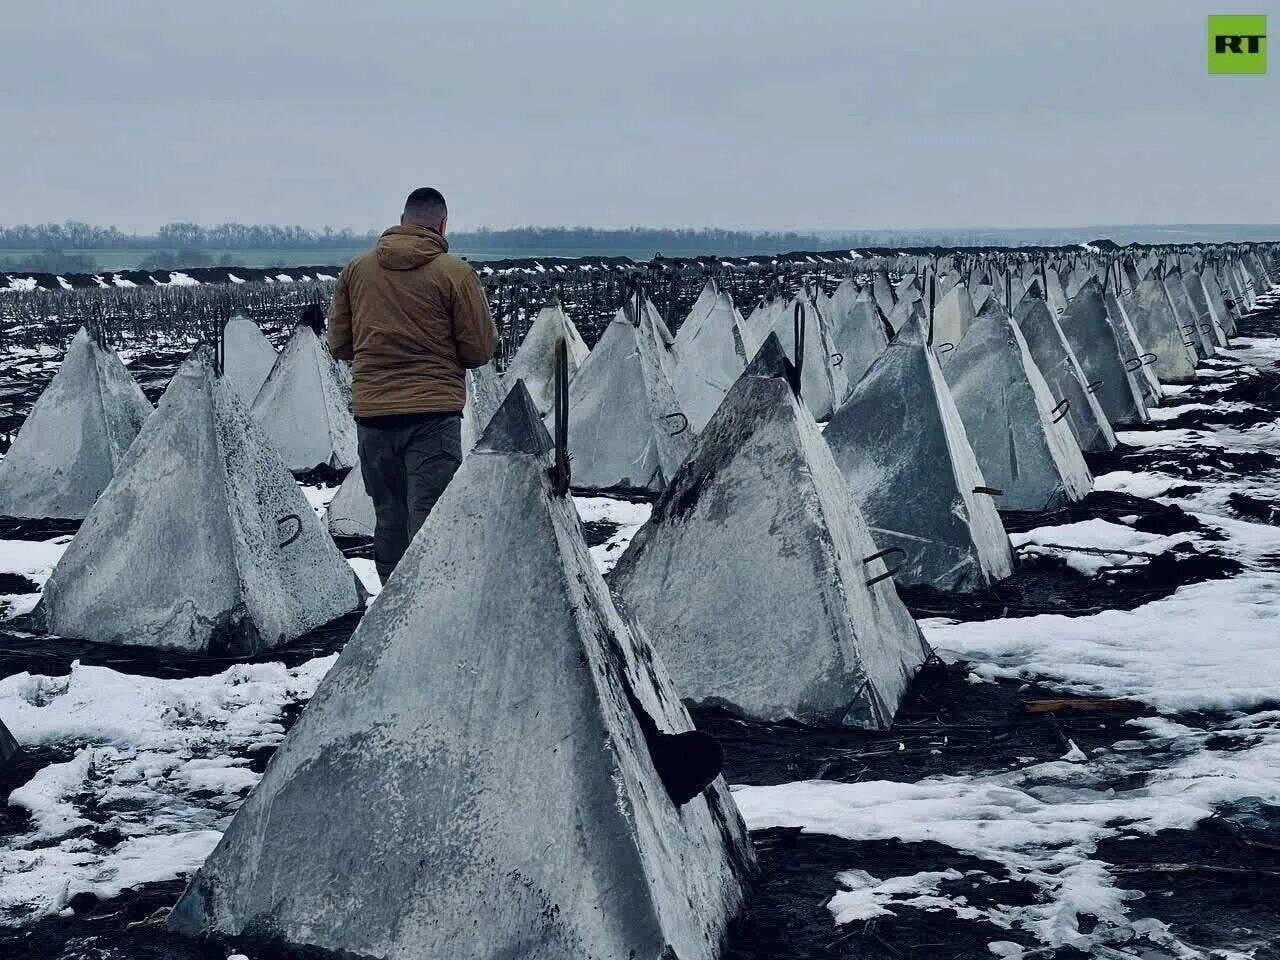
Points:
[412,318]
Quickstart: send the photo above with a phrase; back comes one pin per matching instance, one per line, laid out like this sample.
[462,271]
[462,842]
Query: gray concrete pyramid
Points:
[202,542]
[1147,306]
[757,578]
[1058,363]
[248,357]
[8,746]
[902,448]
[73,440]
[1198,336]
[1023,445]
[883,292]
[1206,314]
[350,513]
[1112,370]
[1224,315]
[713,345]
[859,331]
[492,772]
[532,362]
[823,382]
[304,407]
[626,428]
[952,315]
[1136,355]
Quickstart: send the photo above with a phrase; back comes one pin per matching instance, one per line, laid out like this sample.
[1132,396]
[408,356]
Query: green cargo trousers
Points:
[406,463]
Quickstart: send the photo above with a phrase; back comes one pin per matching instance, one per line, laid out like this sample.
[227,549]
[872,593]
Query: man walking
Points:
[413,320]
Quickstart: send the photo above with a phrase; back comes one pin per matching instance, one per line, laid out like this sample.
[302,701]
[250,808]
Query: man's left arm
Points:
[339,325]
[474,332]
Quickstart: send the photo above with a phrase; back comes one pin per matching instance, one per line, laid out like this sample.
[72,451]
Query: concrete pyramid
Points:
[1147,306]
[304,407]
[756,576]
[350,512]
[1061,369]
[902,448]
[491,772]
[202,542]
[1097,345]
[1136,356]
[1199,337]
[1226,317]
[713,345]
[859,331]
[626,428]
[8,746]
[247,358]
[952,315]
[1202,306]
[883,292]
[73,440]
[823,382]
[1022,443]
[532,362]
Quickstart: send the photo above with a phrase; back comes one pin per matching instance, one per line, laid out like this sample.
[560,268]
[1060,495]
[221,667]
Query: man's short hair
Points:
[426,205]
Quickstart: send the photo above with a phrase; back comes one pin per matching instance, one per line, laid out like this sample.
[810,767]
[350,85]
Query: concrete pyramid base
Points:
[1114,383]
[752,573]
[77,433]
[481,773]
[203,541]
[1148,308]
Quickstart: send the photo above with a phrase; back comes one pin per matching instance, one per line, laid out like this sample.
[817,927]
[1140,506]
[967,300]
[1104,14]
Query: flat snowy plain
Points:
[134,776]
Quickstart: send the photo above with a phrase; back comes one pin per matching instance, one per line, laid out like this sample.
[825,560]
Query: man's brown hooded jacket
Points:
[412,319]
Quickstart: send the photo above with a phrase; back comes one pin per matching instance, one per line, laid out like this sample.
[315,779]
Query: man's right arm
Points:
[339,325]
[474,333]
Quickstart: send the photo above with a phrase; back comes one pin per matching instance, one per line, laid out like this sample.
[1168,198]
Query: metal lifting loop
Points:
[1093,385]
[1137,364]
[989,491]
[560,471]
[296,533]
[684,423]
[880,555]
[798,319]
[945,348]
[1064,407]
[1149,358]
[837,359]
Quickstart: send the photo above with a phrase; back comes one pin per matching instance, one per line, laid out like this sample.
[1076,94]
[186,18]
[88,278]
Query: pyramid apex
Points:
[770,360]
[516,427]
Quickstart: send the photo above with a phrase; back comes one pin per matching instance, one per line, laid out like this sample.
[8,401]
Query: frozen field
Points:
[1138,817]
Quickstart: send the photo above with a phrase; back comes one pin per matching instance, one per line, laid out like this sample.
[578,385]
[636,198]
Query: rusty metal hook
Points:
[296,533]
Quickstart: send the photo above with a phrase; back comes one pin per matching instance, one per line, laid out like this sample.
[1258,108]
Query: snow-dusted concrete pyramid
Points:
[248,357]
[492,767]
[350,512]
[304,407]
[859,331]
[1135,354]
[1148,308]
[713,345]
[1206,314]
[1113,382]
[902,448]
[756,576]
[75,436]
[823,383]
[1058,363]
[202,542]
[952,316]
[1218,301]
[1199,337]
[532,362]
[626,428]
[1018,433]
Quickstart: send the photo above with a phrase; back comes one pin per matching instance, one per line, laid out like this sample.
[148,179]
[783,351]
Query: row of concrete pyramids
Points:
[395,821]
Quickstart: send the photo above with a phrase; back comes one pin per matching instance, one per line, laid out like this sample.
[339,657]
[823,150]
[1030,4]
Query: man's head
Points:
[425,208]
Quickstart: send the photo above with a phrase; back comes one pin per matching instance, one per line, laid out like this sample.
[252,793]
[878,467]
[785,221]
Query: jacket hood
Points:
[409,247]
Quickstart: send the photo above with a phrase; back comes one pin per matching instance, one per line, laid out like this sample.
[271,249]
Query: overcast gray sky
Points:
[827,114]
